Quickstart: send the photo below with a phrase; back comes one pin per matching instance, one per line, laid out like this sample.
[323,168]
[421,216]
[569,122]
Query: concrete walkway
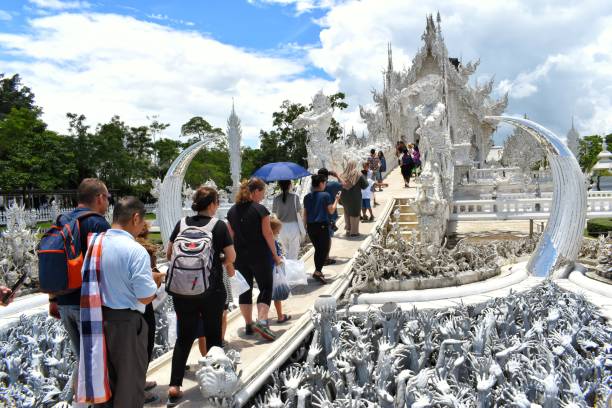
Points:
[256,354]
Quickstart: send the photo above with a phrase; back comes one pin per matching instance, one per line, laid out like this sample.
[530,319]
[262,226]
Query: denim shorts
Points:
[365,203]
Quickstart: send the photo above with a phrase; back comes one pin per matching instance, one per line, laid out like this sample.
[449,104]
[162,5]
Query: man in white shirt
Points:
[126,286]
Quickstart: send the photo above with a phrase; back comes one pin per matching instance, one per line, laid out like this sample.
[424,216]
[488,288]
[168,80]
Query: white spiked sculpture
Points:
[562,237]
[234,135]
[170,203]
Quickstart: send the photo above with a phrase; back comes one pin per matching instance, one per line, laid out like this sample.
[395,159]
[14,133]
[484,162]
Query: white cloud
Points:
[554,56]
[104,64]
[5,16]
[301,6]
[60,4]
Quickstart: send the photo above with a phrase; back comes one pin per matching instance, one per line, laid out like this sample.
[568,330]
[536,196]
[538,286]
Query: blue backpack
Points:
[60,256]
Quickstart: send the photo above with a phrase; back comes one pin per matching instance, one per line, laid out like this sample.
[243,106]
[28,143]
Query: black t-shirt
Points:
[245,219]
[91,224]
[221,240]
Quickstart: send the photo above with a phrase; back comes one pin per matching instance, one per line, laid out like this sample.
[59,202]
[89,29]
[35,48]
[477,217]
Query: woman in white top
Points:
[288,210]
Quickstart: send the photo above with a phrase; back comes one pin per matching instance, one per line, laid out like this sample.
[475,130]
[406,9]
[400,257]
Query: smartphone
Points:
[15,288]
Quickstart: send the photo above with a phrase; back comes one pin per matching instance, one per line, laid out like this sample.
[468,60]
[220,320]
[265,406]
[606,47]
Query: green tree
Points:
[165,150]
[285,142]
[32,156]
[588,149]
[335,130]
[200,128]
[14,95]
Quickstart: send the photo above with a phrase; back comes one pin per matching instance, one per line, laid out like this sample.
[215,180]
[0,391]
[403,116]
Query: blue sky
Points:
[177,59]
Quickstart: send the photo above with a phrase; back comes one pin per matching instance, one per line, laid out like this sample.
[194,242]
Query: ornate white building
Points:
[523,151]
[234,136]
[572,139]
[433,105]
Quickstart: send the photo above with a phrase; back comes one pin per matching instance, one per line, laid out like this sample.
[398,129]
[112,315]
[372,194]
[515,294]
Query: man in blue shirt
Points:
[126,286]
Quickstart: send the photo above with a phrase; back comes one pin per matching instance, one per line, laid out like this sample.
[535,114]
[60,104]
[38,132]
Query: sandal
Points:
[319,276]
[284,319]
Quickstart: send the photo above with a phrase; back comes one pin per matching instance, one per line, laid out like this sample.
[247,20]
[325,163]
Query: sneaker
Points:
[248,329]
[371,218]
[149,385]
[263,330]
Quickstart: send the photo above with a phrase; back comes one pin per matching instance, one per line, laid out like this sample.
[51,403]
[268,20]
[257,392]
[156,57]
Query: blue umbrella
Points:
[280,171]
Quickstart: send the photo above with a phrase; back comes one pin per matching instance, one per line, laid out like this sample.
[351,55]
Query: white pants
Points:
[289,238]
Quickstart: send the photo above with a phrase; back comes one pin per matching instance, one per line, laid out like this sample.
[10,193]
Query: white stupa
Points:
[572,139]
[604,159]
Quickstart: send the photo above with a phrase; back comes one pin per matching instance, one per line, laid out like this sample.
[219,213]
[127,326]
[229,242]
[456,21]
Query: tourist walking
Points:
[366,196]
[416,158]
[93,200]
[198,299]
[277,227]
[318,206]
[288,210]
[381,170]
[117,271]
[350,198]
[407,165]
[332,188]
[373,162]
[399,150]
[249,225]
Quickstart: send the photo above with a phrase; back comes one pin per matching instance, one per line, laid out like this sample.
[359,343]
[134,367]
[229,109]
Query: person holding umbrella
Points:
[288,210]
[249,226]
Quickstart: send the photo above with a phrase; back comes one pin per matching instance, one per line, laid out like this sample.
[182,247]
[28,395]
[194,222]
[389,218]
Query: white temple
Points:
[522,150]
[572,139]
[234,136]
[433,105]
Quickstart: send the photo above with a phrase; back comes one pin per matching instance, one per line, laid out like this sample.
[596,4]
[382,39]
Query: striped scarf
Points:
[93,385]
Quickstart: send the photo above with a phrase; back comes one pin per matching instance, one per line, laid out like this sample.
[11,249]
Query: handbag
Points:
[300,222]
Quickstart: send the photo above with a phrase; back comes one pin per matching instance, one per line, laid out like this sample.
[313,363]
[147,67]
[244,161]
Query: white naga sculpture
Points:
[316,122]
[234,135]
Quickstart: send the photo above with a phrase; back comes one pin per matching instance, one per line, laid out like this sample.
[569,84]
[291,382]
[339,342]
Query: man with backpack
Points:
[60,272]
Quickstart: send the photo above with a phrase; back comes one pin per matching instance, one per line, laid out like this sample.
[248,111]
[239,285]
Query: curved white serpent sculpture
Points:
[562,237]
[170,203]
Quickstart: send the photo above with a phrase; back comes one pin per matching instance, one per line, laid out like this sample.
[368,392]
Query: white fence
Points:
[45,214]
[599,204]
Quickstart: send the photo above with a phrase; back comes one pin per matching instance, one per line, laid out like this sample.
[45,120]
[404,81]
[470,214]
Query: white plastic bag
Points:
[238,284]
[295,272]
[280,287]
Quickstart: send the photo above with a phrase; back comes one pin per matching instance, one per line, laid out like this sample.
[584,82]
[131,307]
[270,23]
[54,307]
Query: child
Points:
[278,305]
[366,195]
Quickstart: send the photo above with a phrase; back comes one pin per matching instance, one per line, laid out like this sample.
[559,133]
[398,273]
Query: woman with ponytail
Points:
[205,310]
[288,210]
[249,225]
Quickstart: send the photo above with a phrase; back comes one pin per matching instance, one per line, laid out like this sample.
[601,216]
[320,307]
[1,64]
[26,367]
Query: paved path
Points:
[255,353]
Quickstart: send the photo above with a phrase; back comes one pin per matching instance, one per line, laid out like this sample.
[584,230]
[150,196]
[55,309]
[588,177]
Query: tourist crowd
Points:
[110,321]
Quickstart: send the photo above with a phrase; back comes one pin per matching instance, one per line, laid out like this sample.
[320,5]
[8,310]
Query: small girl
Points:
[366,195]
[278,304]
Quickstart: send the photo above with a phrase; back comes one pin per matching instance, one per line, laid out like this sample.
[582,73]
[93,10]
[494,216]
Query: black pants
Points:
[262,273]
[318,233]
[149,316]
[406,173]
[208,309]
[125,334]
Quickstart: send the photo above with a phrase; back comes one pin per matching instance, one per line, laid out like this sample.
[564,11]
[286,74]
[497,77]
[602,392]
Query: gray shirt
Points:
[287,211]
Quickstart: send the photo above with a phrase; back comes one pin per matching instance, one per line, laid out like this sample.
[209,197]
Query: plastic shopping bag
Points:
[238,284]
[280,287]
[295,272]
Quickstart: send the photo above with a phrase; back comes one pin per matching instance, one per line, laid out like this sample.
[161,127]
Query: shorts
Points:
[365,203]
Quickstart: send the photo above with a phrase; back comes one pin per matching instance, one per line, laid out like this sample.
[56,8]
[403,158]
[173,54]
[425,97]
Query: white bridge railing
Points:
[45,214]
[599,204]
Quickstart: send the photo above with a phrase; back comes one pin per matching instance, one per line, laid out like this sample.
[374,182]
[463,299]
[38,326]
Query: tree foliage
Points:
[588,149]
